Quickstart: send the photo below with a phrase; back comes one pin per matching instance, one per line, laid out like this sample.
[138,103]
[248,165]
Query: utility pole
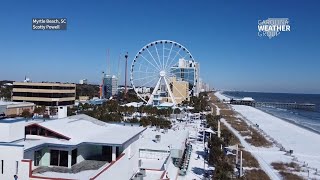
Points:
[219,129]
[125,80]
[101,93]
[237,152]
[119,61]
[241,164]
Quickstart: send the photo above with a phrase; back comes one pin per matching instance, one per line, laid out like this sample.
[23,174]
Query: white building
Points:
[83,81]
[75,147]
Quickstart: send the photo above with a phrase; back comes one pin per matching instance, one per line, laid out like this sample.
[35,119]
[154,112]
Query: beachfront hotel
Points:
[44,94]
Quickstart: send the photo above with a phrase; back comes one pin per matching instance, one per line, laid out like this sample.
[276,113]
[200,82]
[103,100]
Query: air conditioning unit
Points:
[158,138]
[143,172]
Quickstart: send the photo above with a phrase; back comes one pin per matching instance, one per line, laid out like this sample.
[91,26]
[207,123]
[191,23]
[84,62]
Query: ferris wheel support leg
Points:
[154,92]
[170,92]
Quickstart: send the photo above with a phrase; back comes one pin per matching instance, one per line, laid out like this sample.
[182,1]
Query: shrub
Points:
[26,113]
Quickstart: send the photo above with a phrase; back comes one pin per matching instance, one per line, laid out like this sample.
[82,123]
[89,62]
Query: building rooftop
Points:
[166,104]
[45,84]
[80,129]
[133,104]
[11,103]
[172,139]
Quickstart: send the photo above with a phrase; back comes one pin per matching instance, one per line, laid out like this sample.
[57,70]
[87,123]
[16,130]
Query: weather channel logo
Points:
[272,27]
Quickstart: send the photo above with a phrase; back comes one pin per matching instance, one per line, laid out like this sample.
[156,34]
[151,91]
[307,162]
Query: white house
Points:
[75,147]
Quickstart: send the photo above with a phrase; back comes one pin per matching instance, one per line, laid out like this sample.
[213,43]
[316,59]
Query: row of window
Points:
[45,95]
[44,103]
[57,157]
[44,87]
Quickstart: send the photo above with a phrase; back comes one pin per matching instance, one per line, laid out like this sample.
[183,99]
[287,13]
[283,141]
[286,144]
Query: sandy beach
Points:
[304,142]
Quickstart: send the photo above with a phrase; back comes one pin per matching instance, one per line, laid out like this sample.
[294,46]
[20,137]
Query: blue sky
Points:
[221,35]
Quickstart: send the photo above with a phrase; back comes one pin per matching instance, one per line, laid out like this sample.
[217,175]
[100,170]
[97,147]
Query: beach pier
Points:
[248,101]
[305,106]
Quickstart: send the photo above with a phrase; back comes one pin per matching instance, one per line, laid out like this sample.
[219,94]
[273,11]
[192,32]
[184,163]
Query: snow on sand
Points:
[304,143]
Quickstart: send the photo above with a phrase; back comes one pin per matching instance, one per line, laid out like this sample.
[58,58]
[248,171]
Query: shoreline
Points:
[281,118]
[291,122]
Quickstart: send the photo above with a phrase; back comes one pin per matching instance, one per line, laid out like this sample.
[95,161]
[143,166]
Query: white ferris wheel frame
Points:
[163,75]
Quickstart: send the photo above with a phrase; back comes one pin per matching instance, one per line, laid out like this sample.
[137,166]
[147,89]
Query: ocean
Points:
[305,118]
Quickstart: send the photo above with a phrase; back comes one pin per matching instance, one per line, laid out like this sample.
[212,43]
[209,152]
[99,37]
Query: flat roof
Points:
[11,103]
[82,129]
[45,84]
[174,138]
[12,120]
[153,174]
[152,163]
[133,104]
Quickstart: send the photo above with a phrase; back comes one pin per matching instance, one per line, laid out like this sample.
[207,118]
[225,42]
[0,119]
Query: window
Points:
[74,155]
[37,157]
[54,157]
[59,158]
[17,167]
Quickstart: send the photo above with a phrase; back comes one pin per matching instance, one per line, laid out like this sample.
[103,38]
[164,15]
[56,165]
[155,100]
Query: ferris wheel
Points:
[151,70]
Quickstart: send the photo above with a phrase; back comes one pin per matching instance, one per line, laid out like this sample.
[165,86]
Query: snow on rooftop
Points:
[166,104]
[133,104]
[173,138]
[10,103]
[85,129]
[83,175]
[152,175]
[152,163]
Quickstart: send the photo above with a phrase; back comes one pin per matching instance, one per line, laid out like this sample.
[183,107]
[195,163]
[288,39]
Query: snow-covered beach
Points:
[304,143]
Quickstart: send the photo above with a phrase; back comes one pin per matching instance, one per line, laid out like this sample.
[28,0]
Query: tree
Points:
[112,105]
[71,111]
[86,106]
[134,120]
[26,113]
[5,92]
[40,110]
[87,90]
[177,111]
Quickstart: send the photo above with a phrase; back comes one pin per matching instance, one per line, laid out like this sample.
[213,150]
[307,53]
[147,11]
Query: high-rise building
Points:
[110,86]
[46,94]
[189,71]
